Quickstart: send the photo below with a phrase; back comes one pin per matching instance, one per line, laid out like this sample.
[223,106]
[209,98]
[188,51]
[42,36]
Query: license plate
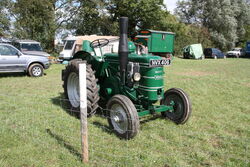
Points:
[157,63]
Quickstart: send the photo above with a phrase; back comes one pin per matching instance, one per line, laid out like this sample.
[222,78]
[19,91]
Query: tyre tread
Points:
[92,88]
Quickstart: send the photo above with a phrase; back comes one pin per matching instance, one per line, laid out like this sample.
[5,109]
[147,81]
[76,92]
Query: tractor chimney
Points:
[123,47]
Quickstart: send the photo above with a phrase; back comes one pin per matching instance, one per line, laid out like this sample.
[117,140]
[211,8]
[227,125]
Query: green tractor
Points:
[125,84]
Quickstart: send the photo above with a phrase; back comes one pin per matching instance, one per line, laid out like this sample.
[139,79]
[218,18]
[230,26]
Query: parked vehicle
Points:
[73,44]
[13,60]
[213,53]
[193,51]
[4,40]
[69,45]
[127,85]
[236,52]
[160,43]
[30,47]
[248,49]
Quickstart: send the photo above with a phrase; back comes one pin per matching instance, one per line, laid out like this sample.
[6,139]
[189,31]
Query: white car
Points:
[236,52]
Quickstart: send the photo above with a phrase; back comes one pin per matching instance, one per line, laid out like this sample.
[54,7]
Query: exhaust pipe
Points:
[123,48]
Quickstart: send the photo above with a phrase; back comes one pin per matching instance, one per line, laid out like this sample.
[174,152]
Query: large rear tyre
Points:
[182,105]
[71,87]
[123,117]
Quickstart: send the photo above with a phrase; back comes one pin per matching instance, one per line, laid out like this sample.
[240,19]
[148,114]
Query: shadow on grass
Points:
[17,74]
[104,128]
[13,74]
[62,102]
[102,113]
[150,118]
[245,57]
[107,129]
[63,143]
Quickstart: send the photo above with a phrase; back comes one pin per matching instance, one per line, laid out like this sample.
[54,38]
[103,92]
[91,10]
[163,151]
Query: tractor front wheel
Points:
[181,105]
[123,117]
[71,87]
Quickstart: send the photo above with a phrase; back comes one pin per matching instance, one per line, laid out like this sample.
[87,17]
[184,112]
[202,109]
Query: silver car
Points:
[30,47]
[13,60]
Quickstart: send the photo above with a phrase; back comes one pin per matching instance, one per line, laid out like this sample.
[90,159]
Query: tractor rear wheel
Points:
[123,117]
[71,87]
[181,104]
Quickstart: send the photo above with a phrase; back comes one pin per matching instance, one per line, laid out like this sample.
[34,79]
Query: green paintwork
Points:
[161,108]
[151,83]
[109,91]
[111,83]
[131,47]
[144,93]
[86,46]
[158,42]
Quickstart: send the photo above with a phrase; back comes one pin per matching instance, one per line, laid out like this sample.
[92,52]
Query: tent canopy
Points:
[193,51]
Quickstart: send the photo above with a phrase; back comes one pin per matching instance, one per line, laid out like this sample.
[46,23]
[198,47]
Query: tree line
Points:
[214,23]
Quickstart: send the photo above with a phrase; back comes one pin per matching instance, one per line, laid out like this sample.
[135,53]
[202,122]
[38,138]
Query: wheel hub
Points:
[119,118]
[36,71]
[73,89]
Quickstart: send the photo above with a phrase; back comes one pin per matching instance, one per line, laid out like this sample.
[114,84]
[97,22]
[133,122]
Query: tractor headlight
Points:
[137,76]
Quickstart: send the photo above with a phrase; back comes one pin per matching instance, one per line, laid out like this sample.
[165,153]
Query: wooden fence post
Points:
[83,112]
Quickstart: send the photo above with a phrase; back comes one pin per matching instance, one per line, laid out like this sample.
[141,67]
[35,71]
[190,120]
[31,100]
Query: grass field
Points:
[36,129]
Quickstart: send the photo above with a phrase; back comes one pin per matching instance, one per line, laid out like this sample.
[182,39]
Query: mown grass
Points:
[37,130]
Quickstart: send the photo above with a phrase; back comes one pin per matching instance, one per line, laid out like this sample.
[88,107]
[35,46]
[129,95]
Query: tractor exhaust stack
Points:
[123,47]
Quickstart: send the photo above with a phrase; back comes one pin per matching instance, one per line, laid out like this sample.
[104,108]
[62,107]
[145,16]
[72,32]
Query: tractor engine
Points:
[142,79]
[140,74]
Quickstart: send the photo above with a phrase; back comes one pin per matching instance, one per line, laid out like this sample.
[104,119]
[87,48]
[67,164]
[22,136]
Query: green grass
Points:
[36,129]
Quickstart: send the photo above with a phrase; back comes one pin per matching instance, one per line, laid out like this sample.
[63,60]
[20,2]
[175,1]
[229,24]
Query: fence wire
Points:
[50,126]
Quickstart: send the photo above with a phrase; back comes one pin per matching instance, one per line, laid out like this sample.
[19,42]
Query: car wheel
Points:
[215,56]
[36,70]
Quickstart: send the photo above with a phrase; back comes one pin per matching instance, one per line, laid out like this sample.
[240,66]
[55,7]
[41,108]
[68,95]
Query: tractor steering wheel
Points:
[99,43]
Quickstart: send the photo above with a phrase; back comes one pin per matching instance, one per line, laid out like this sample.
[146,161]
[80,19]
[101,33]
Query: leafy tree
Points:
[4,17]
[184,34]
[101,17]
[224,19]
[91,19]
[142,14]
[65,11]
[35,20]
[40,20]
[245,38]
[151,14]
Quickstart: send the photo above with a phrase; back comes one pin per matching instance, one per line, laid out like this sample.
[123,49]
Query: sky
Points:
[171,4]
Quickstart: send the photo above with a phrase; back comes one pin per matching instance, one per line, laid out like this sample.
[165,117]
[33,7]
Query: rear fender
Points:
[98,65]
[83,55]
